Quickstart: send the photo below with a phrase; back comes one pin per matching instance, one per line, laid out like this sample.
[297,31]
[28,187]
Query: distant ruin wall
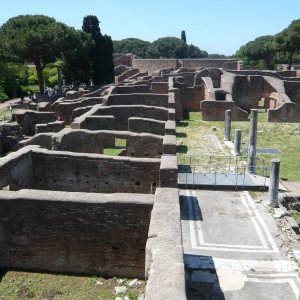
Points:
[152,65]
[208,63]
[94,234]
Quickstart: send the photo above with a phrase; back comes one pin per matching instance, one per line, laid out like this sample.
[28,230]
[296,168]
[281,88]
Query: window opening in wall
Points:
[118,149]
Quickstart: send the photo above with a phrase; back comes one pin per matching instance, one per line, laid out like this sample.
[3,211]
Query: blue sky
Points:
[217,26]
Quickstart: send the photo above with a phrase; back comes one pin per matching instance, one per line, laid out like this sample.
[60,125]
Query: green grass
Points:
[192,136]
[25,285]
[120,145]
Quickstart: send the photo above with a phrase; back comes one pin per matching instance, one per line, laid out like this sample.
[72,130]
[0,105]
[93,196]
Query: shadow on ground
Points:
[201,278]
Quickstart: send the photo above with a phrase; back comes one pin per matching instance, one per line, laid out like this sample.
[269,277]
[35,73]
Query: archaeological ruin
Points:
[67,206]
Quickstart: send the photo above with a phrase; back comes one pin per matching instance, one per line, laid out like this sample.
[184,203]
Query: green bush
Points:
[53,80]
[3,96]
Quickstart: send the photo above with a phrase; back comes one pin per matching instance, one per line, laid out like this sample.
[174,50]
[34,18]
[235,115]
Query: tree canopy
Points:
[166,47]
[102,52]
[38,39]
[266,51]
[288,41]
[132,45]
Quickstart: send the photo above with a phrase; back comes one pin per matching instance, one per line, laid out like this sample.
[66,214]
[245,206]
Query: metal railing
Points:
[214,169]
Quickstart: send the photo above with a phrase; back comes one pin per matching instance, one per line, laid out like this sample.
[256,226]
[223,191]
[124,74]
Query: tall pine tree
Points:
[102,53]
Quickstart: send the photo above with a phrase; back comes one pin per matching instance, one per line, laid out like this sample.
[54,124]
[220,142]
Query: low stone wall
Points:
[159,87]
[36,168]
[213,110]
[64,110]
[10,135]
[50,127]
[146,125]
[94,234]
[164,253]
[292,89]
[43,140]
[137,99]
[122,113]
[130,89]
[287,112]
[86,141]
[127,74]
[175,99]
[27,119]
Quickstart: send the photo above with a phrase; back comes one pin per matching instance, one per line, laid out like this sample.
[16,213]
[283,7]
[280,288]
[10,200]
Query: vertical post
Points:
[227,125]
[237,142]
[274,183]
[251,163]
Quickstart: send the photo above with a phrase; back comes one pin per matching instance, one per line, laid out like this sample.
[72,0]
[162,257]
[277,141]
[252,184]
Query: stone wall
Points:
[64,110]
[152,65]
[146,125]
[66,171]
[94,234]
[247,90]
[164,253]
[130,89]
[43,140]
[159,87]
[137,99]
[208,63]
[10,135]
[292,89]
[50,127]
[122,113]
[287,112]
[137,144]
[213,110]
[27,119]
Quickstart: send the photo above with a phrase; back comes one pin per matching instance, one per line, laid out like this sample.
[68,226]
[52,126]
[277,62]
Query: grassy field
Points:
[22,285]
[192,137]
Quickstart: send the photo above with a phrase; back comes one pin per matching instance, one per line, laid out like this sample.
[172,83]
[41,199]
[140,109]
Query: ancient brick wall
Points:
[164,252]
[292,89]
[247,90]
[159,87]
[152,65]
[137,144]
[206,63]
[146,125]
[28,119]
[10,135]
[130,89]
[213,110]
[122,113]
[50,127]
[191,98]
[287,112]
[75,232]
[41,139]
[137,99]
[65,171]
[64,110]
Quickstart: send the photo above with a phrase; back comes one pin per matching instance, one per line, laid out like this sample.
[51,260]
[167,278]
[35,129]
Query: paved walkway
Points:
[233,248]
